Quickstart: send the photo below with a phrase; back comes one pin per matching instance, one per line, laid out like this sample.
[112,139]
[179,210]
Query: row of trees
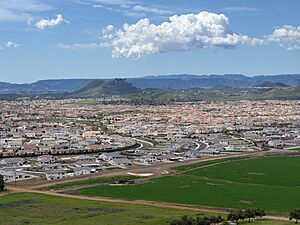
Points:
[234,216]
[237,215]
[203,220]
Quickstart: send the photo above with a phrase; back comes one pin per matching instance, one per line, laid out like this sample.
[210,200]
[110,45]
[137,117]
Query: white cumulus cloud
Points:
[11,44]
[287,37]
[180,33]
[48,23]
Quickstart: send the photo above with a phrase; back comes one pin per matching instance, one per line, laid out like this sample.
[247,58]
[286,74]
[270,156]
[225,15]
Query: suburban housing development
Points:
[54,139]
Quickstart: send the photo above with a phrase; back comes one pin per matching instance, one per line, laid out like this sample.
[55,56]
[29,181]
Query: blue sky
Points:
[45,39]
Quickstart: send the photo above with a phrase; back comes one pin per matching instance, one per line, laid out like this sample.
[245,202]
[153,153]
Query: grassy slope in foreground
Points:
[271,183]
[36,209]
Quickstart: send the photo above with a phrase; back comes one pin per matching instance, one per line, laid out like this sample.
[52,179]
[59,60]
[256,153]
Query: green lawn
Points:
[91,181]
[270,183]
[37,209]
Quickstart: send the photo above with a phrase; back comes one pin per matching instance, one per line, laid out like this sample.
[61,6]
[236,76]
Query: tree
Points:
[236,216]
[250,214]
[260,212]
[185,220]
[1,183]
[215,220]
[295,214]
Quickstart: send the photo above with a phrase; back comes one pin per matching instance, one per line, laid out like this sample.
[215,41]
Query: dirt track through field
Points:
[152,169]
[156,169]
[139,202]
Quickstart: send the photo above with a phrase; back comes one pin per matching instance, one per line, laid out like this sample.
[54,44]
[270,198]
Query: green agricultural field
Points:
[204,163]
[37,209]
[91,181]
[270,183]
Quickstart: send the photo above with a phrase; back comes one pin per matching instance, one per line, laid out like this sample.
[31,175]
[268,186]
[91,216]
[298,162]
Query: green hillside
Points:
[104,88]
[292,93]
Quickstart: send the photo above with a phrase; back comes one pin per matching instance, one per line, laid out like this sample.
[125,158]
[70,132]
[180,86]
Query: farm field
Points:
[270,183]
[193,166]
[37,209]
[91,181]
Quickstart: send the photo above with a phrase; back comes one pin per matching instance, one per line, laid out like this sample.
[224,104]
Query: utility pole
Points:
[2,185]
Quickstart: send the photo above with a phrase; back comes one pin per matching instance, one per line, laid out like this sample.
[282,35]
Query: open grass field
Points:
[270,183]
[37,209]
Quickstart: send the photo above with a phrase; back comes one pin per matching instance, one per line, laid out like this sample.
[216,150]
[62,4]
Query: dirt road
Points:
[156,170]
[139,202]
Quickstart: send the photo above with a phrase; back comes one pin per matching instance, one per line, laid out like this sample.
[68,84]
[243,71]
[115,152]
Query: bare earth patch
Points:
[246,202]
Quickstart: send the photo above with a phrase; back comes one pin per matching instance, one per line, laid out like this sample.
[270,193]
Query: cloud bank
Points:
[20,10]
[180,33]
[287,37]
[49,23]
[183,33]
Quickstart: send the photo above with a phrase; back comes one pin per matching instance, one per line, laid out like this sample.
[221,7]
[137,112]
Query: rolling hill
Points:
[291,93]
[104,88]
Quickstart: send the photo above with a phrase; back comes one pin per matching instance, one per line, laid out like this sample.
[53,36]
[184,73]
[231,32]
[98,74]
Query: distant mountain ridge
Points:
[180,81]
[43,86]
[268,84]
[186,81]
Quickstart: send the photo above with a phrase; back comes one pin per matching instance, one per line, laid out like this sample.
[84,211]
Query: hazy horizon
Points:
[142,76]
